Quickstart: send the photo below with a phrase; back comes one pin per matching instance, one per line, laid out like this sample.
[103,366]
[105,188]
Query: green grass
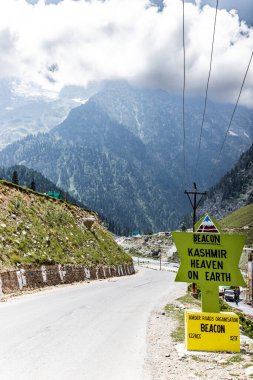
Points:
[37,230]
[197,358]
[188,299]
[246,324]
[178,334]
[240,219]
[236,358]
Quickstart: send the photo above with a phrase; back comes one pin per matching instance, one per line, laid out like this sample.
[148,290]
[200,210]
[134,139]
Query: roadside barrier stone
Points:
[23,279]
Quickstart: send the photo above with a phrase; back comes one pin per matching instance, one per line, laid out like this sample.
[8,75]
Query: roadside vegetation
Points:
[36,229]
[176,311]
[240,221]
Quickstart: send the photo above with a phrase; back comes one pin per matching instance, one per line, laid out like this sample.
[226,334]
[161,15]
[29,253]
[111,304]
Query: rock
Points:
[251,347]
[222,361]
[191,376]
[180,348]
[249,371]
[88,222]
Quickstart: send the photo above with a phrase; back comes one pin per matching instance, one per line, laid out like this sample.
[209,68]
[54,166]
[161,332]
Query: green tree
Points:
[15,177]
[33,185]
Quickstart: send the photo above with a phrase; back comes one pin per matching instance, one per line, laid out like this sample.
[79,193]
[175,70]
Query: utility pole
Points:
[194,203]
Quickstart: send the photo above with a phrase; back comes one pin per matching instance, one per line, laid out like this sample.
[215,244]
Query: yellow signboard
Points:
[212,331]
[209,258]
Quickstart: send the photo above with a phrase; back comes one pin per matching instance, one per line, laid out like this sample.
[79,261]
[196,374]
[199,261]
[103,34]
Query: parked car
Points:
[229,295]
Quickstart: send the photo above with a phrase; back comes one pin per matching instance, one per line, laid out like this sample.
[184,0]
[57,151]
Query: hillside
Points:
[234,190]
[240,221]
[36,229]
[42,184]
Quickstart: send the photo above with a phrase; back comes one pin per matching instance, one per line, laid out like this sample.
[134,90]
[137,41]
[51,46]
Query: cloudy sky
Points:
[46,45]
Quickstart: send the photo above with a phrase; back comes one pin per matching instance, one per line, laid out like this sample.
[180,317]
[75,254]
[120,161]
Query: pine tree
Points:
[15,177]
[33,185]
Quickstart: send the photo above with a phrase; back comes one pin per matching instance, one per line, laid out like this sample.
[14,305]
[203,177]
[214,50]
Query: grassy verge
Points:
[246,324]
[176,311]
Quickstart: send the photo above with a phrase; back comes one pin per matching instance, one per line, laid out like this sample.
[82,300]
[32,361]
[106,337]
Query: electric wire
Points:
[232,116]
[183,119]
[207,87]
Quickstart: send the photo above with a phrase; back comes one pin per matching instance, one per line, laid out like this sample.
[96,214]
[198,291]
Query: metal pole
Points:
[194,211]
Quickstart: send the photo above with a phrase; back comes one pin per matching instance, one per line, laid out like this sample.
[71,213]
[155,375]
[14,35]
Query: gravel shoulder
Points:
[168,360]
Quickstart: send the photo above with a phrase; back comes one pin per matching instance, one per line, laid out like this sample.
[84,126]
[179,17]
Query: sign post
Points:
[210,258]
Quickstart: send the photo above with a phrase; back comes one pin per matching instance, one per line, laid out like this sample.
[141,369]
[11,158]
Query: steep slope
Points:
[240,221]
[155,117]
[35,229]
[234,190]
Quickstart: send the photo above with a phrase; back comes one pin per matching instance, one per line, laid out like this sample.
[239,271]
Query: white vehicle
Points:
[229,295]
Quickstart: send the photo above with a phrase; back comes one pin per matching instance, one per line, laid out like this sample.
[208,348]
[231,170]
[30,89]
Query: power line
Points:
[207,86]
[233,113]
[184,159]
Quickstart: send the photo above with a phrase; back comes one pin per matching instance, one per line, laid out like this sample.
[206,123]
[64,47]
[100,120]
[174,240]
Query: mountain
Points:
[234,190]
[155,117]
[21,115]
[104,166]
[121,154]
[36,230]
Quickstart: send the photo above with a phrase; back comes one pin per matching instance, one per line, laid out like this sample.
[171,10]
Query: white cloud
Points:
[74,42]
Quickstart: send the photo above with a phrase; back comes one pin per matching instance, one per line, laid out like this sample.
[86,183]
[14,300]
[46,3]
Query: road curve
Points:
[91,331]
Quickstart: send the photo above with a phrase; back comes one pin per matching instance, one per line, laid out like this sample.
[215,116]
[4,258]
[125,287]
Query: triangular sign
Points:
[207,225]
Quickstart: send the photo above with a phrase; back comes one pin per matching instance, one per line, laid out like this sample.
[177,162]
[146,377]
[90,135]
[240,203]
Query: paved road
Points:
[92,331]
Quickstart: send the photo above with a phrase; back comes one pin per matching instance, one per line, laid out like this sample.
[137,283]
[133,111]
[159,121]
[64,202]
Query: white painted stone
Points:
[44,273]
[1,286]
[87,273]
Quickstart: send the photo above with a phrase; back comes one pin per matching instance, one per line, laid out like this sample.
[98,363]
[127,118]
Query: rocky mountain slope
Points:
[149,245]
[21,115]
[104,166]
[36,229]
[234,190]
[155,117]
[121,154]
